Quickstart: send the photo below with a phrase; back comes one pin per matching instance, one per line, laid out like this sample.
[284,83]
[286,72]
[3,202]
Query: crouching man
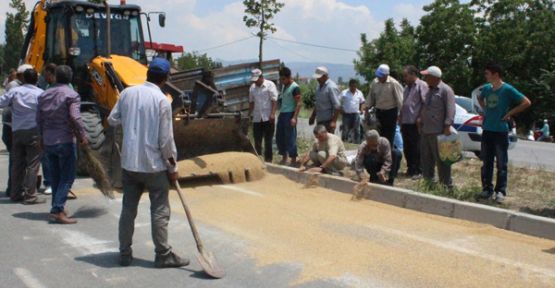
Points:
[376,157]
[327,154]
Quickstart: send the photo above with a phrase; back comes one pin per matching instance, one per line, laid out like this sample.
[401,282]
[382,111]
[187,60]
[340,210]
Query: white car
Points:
[469,125]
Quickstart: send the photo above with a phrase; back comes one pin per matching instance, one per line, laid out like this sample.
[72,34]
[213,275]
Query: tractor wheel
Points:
[95,136]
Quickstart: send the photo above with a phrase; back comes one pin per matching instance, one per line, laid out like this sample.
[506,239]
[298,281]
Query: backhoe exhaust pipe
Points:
[108,30]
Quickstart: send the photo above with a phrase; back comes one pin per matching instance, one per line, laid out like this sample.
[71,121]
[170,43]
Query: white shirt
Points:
[146,118]
[350,103]
[262,98]
[23,101]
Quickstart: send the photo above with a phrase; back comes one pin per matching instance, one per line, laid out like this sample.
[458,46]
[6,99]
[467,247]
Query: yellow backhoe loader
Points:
[104,45]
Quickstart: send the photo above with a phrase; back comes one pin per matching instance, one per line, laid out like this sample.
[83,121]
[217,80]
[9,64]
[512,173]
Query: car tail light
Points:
[475,121]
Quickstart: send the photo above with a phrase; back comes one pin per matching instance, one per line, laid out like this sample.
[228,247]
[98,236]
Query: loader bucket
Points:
[197,138]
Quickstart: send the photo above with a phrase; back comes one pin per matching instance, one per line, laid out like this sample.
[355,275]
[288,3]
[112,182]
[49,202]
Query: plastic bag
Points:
[450,148]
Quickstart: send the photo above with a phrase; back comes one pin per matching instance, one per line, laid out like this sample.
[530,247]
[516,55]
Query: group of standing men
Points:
[44,127]
[422,109]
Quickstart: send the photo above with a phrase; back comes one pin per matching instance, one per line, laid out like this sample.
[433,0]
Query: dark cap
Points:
[159,66]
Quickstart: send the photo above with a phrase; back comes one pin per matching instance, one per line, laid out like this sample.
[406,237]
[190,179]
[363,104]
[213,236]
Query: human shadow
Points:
[7,200]
[111,260]
[35,216]
[89,212]
[550,251]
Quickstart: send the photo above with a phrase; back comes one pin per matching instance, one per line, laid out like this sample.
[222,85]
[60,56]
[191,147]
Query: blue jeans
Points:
[286,135]
[61,159]
[351,122]
[495,146]
[45,170]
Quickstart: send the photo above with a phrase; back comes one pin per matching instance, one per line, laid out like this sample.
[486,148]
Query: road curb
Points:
[500,218]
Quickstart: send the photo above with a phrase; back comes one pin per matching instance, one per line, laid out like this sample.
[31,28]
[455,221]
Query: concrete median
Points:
[500,218]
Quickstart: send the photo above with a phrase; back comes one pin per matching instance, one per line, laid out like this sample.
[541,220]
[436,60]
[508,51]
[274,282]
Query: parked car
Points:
[469,125]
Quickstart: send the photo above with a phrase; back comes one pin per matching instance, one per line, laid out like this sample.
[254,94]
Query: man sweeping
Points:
[148,160]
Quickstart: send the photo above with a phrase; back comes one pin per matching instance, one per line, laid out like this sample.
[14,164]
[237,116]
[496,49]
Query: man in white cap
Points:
[327,106]
[436,117]
[386,94]
[263,96]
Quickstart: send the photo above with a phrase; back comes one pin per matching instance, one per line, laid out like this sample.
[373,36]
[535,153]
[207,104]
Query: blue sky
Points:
[201,24]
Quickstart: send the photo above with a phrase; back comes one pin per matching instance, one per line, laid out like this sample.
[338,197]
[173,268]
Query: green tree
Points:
[445,38]
[394,47]
[258,14]
[192,60]
[14,29]
[2,67]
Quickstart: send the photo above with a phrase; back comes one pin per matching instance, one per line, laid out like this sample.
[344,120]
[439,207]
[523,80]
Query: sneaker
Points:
[47,191]
[499,198]
[485,194]
[125,260]
[170,260]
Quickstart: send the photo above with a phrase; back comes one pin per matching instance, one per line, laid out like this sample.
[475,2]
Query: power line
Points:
[225,44]
[291,51]
[314,45]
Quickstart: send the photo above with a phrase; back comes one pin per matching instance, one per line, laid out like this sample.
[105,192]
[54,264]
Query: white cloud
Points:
[325,22]
[410,11]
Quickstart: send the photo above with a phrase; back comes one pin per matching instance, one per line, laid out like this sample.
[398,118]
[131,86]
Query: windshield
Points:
[88,33]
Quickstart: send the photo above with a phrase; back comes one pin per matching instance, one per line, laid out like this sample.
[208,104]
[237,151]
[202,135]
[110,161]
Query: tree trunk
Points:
[261,35]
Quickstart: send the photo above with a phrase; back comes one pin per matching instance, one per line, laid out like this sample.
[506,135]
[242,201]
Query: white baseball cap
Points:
[255,75]
[320,71]
[432,71]
[21,69]
[382,71]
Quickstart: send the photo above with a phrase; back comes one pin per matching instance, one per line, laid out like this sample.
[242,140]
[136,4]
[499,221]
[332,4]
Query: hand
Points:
[293,122]
[507,118]
[382,177]
[173,176]
[311,120]
[333,125]
[302,168]
[272,118]
[447,131]
[84,142]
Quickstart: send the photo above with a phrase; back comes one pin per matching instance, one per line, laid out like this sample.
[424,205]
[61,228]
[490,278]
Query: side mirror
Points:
[162,19]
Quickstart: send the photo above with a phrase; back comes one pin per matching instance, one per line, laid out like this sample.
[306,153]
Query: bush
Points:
[308,91]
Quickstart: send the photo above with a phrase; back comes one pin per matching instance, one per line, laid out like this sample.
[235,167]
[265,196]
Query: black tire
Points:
[94,128]
[95,136]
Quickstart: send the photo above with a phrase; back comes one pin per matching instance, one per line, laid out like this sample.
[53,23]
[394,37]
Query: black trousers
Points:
[388,123]
[411,143]
[264,130]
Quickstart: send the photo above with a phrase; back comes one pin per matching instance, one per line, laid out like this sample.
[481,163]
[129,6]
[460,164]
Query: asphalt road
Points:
[270,233]
[535,155]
